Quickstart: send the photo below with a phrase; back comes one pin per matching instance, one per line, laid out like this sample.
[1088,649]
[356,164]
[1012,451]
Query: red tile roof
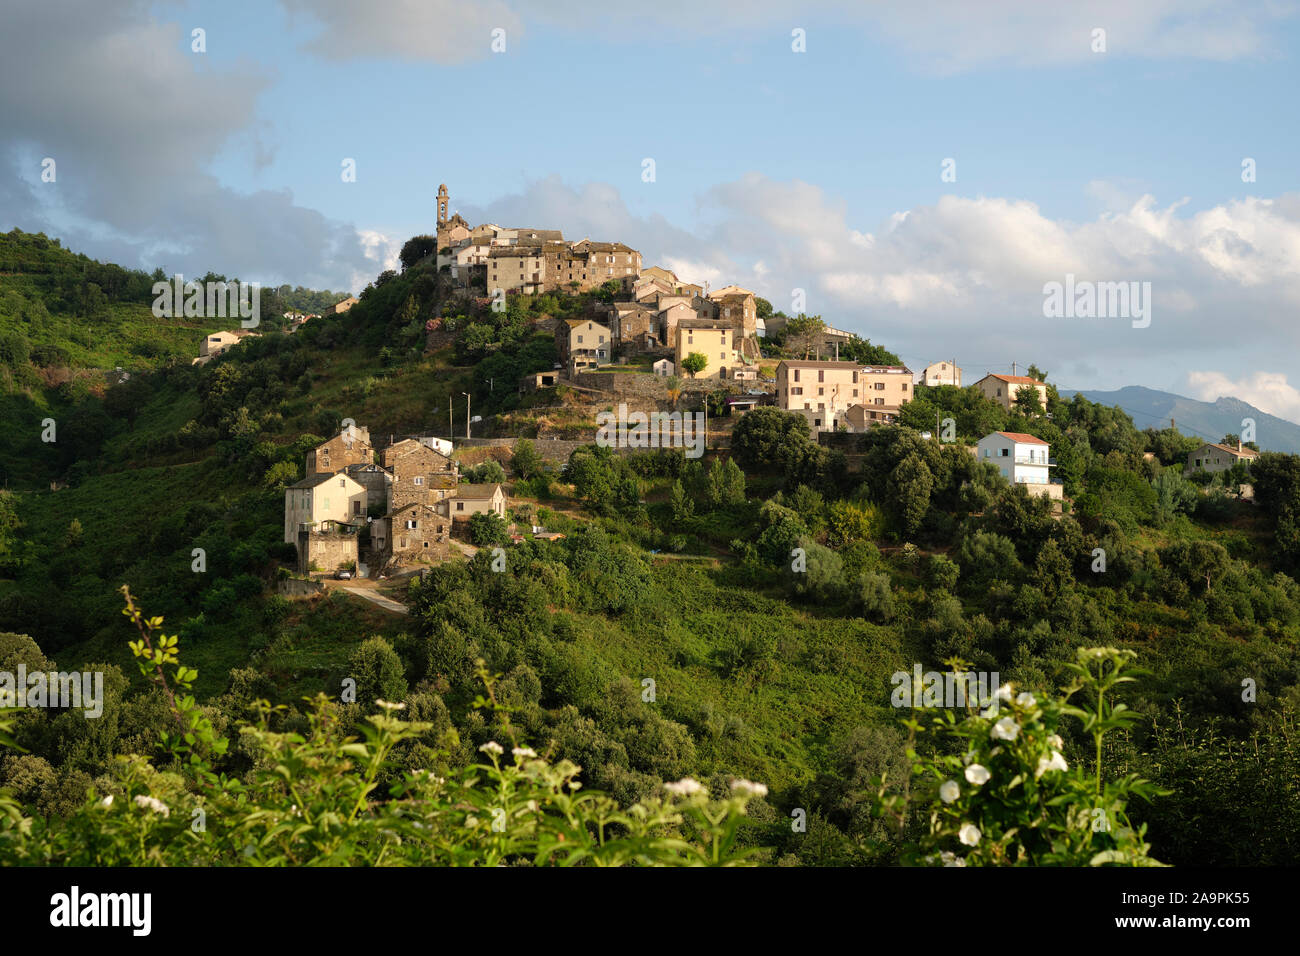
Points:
[1018,379]
[1022,438]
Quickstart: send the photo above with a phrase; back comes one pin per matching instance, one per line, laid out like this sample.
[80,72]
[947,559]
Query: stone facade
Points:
[420,475]
[327,550]
[409,534]
[350,447]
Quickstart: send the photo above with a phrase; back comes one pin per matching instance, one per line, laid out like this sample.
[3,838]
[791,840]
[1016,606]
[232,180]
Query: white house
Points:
[664,368]
[1022,459]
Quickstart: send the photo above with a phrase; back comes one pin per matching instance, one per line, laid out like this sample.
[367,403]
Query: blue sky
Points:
[774,169]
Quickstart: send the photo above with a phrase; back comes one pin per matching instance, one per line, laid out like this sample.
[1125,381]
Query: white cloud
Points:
[943,36]
[1268,391]
[442,31]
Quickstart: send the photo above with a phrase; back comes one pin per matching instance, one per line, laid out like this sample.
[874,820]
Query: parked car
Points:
[343,575]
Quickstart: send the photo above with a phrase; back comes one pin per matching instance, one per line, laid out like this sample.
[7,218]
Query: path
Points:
[385,603]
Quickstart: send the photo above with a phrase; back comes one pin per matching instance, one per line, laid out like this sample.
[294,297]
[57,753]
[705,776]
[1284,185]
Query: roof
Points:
[1244,453]
[316,481]
[811,363]
[574,323]
[729,290]
[1020,438]
[477,491]
[889,369]
[720,325]
[1016,379]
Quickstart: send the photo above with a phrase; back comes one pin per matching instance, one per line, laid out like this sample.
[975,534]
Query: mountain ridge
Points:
[1153,408]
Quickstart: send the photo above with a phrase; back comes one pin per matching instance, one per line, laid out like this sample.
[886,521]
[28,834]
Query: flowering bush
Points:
[318,798]
[1008,796]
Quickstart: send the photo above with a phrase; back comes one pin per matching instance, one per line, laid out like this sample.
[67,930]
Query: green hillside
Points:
[669,634]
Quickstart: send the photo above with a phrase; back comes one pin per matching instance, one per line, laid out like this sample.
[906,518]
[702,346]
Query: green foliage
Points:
[694,363]
[1001,792]
[488,528]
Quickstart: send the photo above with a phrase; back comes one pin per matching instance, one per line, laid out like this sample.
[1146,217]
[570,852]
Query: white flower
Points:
[106,802]
[389,706]
[949,791]
[157,806]
[492,747]
[684,787]
[977,774]
[1005,729]
[1026,699]
[747,788]
[1055,762]
[969,834]
[1004,692]
[951,859]
[1055,741]
[521,752]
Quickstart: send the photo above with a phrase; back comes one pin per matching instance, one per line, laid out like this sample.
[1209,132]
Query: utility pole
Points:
[451,428]
[1013,369]
[466,394]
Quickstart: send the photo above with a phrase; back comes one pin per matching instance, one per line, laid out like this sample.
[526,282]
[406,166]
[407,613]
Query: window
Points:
[419,479]
[343,483]
[1003,452]
[821,374]
[796,375]
[460,506]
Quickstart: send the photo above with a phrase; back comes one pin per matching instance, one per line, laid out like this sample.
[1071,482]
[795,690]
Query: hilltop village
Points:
[387,504]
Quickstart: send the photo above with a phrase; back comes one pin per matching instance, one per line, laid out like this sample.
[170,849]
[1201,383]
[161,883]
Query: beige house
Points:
[1214,458]
[349,447]
[885,388]
[478,499]
[713,339]
[338,308]
[941,373]
[1003,389]
[213,345]
[821,391]
[584,343]
[320,499]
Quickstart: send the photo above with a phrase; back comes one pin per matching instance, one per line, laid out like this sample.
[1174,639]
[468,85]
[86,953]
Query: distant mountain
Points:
[1209,420]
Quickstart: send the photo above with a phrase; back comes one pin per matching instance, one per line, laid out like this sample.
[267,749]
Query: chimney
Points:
[1238,444]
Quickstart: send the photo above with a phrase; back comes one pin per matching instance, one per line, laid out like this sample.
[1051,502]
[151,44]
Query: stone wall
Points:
[326,550]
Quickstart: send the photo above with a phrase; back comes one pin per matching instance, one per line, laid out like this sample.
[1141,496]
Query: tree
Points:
[803,333]
[726,483]
[1027,402]
[378,672]
[416,249]
[910,485]
[673,385]
[679,501]
[488,528]
[526,461]
[768,439]
[695,363]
